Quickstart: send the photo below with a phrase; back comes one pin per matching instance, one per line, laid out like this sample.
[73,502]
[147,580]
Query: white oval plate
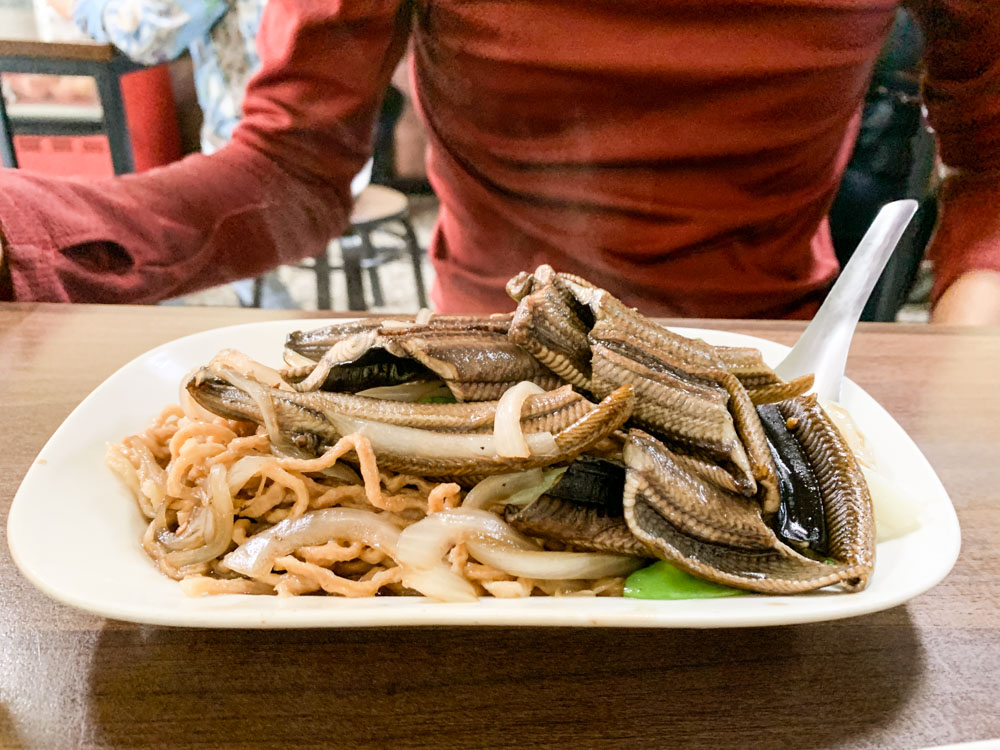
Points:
[74,529]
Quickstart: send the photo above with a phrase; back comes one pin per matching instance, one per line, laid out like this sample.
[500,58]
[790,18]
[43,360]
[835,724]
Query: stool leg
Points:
[258,291]
[416,256]
[110,92]
[350,249]
[8,157]
[322,268]
[368,251]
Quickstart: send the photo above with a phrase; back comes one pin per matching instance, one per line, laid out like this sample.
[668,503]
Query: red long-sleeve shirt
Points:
[682,154]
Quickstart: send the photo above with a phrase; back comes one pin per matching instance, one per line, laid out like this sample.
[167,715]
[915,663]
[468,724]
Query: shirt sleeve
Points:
[148,31]
[962,95]
[275,195]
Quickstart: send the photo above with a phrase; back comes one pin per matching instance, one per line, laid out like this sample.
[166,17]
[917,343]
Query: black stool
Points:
[376,209]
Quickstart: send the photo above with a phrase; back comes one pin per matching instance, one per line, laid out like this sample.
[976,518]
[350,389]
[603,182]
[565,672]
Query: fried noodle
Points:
[207,486]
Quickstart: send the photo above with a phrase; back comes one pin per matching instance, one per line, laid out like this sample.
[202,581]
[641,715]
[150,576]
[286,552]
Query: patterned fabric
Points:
[220,35]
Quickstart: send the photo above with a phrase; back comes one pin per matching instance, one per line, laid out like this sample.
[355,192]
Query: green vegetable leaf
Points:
[661,580]
[529,495]
[449,399]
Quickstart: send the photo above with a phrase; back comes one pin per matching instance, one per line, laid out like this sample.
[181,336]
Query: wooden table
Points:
[921,674]
[100,61]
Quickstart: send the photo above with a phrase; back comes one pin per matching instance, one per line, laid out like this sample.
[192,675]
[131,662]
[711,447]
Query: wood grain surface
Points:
[921,674]
[89,51]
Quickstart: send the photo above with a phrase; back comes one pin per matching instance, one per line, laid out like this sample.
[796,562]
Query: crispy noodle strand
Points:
[180,471]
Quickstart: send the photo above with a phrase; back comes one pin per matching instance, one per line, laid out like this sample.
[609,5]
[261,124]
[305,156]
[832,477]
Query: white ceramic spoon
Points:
[822,348]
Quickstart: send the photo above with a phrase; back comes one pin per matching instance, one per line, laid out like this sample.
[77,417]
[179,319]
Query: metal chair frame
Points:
[362,255]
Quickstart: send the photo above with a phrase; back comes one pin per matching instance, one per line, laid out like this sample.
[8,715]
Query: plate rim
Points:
[531,612]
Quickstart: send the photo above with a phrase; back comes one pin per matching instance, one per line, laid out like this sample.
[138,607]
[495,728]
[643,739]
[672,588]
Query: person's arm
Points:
[148,31]
[962,93]
[972,299]
[276,194]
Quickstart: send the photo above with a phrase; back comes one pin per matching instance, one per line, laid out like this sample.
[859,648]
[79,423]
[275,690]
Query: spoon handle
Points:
[822,349]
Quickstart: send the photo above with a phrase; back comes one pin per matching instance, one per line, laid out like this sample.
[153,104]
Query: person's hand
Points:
[973,299]
[63,7]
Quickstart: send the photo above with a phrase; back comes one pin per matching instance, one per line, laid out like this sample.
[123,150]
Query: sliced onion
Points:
[351,347]
[191,408]
[346,350]
[247,467]
[399,440]
[529,494]
[409,392]
[391,324]
[507,429]
[425,543]
[244,469]
[439,582]
[256,556]
[423,316]
[851,433]
[496,488]
[896,513]
[421,549]
[341,472]
[542,443]
[237,361]
[553,565]
[260,396]
[294,359]
[218,523]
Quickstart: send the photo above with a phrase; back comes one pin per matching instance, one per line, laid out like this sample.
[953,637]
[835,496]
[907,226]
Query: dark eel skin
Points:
[472,355]
[717,535]
[801,520]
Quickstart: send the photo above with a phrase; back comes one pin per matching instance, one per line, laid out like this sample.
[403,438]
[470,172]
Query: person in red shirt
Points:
[683,154]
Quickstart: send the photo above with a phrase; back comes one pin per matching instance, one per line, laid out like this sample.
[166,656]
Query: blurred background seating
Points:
[384,267]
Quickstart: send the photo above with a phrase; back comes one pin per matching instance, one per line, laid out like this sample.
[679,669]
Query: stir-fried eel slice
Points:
[476,363]
[315,343]
[691,503]
[712,533]
[747,364]
[752,434]
[582,527]
[705,412]
[430,454]
[550,325]
[372,368]
[686,393]
[556,304]
[545,412]
[767,571]
[583,510]
[676,515]
[426,439]
[780,391]
[801,519]
[687,413]
[847,501]
[594,481]
[694,362]
[476,366]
